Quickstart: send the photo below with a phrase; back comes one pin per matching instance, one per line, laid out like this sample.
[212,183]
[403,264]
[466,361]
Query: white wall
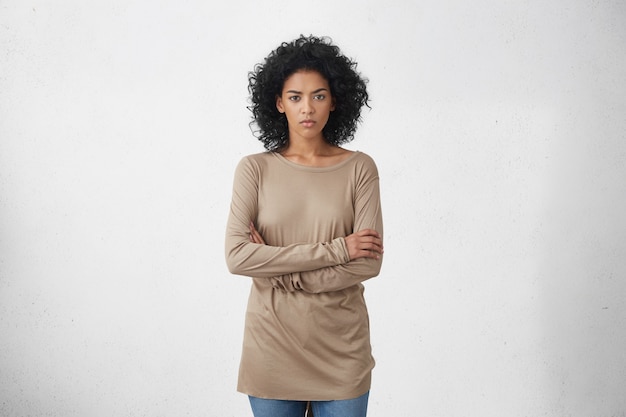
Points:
[499,131]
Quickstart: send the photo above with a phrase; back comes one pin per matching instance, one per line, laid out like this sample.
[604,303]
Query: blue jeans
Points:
[356,407]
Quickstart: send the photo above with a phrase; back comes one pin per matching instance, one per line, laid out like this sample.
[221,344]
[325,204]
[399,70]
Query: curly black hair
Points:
[266,82]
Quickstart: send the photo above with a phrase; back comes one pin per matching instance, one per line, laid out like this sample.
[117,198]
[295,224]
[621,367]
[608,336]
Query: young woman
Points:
[305,224]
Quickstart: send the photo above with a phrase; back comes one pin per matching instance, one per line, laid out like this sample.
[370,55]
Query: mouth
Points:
[307,123]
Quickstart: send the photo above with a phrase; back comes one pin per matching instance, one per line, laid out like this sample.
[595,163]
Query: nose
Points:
[307,106]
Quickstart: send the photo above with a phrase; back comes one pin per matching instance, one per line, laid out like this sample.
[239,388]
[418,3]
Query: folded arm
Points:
[365,247]
[311,267]
[244,257]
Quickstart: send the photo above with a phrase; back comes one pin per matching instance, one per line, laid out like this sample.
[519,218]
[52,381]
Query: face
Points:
[307,103]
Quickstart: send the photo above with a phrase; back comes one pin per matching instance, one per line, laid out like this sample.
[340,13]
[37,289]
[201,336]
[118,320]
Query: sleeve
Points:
[367,215]
[263,261]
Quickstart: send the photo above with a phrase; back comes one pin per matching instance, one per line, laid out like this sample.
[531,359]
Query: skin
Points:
[306,102]
[306,97]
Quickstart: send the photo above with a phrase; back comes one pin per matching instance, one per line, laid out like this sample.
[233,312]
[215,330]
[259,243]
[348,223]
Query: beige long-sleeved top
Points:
[306,333]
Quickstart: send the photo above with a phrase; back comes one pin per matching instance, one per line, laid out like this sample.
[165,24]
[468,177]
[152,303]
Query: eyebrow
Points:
[319,90]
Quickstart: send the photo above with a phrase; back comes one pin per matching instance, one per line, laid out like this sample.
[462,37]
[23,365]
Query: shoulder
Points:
[250,167]
[364,158]
[257,158]
[261,156]
[256,161]
[362,169]
[365,163]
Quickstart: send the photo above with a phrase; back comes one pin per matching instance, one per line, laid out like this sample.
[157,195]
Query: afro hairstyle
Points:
[266,81]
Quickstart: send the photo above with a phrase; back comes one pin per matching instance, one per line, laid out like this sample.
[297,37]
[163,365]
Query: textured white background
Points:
[499,128]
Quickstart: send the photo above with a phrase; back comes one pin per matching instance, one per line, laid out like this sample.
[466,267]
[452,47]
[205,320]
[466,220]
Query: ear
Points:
[332,107]
[279,104]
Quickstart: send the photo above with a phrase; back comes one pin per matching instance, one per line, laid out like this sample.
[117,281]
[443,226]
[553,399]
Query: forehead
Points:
[303,80]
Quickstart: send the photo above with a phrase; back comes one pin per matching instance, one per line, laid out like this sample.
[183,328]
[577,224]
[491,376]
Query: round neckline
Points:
[313,168]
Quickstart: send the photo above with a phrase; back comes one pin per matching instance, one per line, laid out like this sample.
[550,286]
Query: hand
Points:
[255,236]
[366,243]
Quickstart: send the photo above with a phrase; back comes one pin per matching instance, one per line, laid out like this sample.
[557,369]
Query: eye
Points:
[319,97]
[294,98]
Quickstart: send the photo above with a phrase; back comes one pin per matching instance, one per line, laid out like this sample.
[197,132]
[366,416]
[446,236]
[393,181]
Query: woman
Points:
[306,225]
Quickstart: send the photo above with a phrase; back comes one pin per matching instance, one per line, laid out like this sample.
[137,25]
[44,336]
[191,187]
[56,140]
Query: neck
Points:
[308,147]
[319,154]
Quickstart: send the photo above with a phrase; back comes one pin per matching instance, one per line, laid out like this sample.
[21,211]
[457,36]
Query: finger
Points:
[255,237]
[370,243]
[369,254]
[372,249]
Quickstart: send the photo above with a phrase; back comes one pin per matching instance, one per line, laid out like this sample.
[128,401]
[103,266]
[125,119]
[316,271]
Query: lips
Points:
[307,123]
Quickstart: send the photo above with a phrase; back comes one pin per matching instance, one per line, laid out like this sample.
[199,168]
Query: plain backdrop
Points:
[499,130]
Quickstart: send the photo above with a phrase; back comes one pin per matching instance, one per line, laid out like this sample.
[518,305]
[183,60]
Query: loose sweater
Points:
[306,333]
